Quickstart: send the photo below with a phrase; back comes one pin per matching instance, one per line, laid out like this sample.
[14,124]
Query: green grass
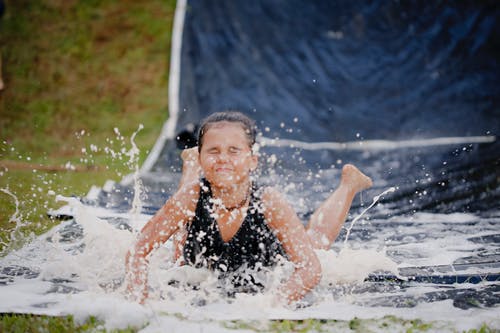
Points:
[41,324]
[33,323]
[387,323]
[74,72]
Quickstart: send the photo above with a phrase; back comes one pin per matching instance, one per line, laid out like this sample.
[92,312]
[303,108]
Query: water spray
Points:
[133,154]
[375,200]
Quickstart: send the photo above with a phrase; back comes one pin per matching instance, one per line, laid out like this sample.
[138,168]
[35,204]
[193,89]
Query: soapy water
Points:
[384,264]
[78,268]
[15,235]
[375,200]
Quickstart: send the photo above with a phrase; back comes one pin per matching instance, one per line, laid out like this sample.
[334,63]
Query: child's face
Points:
[225,156]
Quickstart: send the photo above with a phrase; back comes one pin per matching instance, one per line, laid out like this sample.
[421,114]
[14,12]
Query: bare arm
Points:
[176,212]
[191,172]
[282,218]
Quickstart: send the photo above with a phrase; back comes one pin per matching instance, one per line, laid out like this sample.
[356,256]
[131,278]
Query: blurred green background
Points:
[76,74]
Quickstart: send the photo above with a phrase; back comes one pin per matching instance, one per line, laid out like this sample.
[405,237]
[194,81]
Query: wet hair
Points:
[246,123]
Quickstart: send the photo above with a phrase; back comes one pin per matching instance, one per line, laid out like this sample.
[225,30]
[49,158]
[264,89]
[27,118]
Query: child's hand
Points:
[281,300]
[135,294]
[136,289]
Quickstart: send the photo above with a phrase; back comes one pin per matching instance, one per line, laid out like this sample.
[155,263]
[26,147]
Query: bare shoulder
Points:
[271,194]
[277,210]
[272,198]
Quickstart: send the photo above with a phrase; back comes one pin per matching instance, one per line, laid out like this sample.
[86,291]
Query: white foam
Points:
[116,312]
[421,217]
[92,268]
[99,263]
[352,266]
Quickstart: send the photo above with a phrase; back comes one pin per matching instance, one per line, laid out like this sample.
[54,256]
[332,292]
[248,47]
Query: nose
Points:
[222,156]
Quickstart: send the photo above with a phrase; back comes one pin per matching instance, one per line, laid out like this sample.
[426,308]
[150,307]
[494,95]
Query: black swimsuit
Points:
[254,245]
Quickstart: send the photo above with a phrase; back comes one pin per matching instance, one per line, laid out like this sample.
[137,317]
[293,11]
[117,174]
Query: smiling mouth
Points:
[223,170]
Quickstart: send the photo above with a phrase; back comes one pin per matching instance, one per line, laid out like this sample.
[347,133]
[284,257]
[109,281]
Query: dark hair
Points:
[246,123]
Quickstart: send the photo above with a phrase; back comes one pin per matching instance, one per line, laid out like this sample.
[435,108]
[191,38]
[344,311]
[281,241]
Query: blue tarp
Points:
[342,71]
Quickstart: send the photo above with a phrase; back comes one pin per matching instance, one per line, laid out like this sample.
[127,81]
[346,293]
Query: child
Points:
[229,222]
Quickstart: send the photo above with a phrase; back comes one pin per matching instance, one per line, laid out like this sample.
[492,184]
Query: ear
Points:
[254,161]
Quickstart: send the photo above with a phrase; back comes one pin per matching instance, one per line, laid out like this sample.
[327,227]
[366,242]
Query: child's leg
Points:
[324,225]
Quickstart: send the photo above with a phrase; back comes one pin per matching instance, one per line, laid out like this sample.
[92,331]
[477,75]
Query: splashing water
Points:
[78,268]
[375,200]
[133,155]
[15,235]
[15,217]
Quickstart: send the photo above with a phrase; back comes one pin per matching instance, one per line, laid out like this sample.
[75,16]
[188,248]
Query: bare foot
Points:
[355,179]
[191,168]
[190,155]
[190,160]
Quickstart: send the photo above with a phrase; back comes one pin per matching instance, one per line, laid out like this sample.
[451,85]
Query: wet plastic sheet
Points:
[386,70]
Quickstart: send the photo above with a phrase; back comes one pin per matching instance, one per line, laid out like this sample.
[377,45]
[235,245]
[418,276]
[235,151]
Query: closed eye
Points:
[213,151]
[234,150]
